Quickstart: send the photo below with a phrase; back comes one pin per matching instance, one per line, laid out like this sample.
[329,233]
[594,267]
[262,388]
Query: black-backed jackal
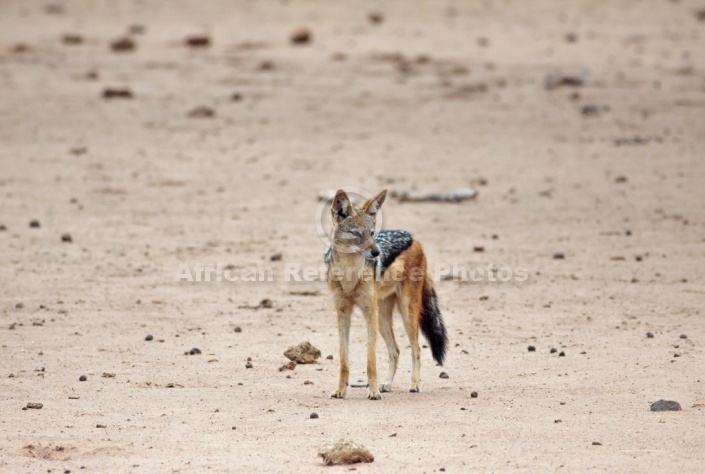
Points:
[377,273]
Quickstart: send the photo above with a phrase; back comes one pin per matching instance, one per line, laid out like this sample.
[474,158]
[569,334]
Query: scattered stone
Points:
[621,179]
[198,41]
[684,336]
[123,44]
[73,397]
[248,365]
[313,415]
[376,18]
[345,452]
[108,375]
[478,248]
[19,305]
[101,426]
[71,38]
[266,303]
[650,335]
[34,406]
[82,378]
[237,329]
[149,337]
[66,238]
[590,110]
[3,227]
[558,256]
[266,66]
[304,353]
[137,29]
[289,366]
[236,97]
[473,394]
[561,354]
[193,351]
[301,36]
[553,350]
[117,93]
[34,224]
[275,257]
[202,111]
[531,348]
[596,443]
[53,9]
[443,375]
[329,357]
[554,81]
[308,382]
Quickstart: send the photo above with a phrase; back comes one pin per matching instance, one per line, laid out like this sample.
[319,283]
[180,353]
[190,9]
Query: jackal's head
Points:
[353,226]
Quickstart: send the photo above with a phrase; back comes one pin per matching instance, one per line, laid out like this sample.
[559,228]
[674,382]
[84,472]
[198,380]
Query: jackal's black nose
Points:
[374,252]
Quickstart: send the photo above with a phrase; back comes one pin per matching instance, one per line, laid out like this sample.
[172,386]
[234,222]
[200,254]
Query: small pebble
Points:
[684,336]
[34,406]
[301,37]
[194,351]
[237,329]
[82,378]
[531,348]
[329,357]
[313,415]
[34,224]
[375,18]
[665,405]
[473,394]
[650,335]
[149,337]
[553,350]
[443,375]
[561,354]
[559,256]
[198,41]
[123,44]
[66,238]
[248,365]
[275,257]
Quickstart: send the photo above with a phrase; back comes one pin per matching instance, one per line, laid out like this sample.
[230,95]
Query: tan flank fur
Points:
[355,279]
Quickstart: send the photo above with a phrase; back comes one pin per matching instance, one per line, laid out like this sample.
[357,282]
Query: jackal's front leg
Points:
[372,317]
[344,310]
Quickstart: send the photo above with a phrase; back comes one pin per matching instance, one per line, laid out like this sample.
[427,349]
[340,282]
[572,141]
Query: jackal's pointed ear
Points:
[372,206]
[341,206]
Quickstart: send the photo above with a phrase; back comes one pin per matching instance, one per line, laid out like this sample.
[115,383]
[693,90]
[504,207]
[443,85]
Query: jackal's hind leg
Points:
[411,324]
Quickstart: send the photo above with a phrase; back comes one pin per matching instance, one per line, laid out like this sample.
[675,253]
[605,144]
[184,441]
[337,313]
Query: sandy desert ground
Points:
[580,123]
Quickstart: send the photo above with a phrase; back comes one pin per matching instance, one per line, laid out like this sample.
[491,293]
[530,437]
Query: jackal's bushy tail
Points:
[432,322]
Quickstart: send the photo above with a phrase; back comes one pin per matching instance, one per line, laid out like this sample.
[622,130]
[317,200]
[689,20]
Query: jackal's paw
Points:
[337,394]
[414,389]
[385,387]
[374,395]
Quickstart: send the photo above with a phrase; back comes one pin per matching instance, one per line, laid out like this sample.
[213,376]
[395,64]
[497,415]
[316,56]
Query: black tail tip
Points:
[433,327]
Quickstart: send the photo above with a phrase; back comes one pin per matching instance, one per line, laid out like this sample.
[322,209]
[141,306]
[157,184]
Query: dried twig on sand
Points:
[455,196]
